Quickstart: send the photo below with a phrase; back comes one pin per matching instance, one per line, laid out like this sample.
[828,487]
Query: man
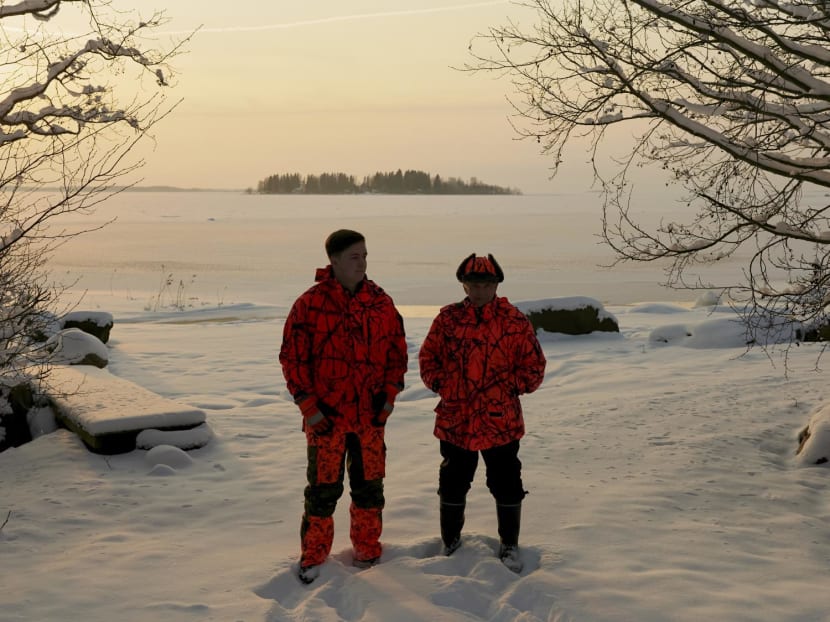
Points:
[344,357]
[479,356]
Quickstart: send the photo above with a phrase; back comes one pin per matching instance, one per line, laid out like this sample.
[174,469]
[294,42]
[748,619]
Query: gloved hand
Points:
[383,403]
[315,420]
[319,424]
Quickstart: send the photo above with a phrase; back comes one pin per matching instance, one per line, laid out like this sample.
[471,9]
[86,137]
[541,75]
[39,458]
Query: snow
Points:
[192,438]
[725,332]
[567,303]
[12,233]
[71,345]
[815,446]
[663,478]
[102,403]
[171,457]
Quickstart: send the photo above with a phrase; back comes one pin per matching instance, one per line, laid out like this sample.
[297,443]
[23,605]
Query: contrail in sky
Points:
[346,18]
[328,20]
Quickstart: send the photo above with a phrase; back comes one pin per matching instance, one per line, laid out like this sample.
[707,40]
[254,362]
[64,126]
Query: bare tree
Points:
[731,98]
[80,84]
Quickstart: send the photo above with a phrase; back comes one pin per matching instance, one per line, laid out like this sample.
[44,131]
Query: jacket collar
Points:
[484,312]
[327,274]
[323,273]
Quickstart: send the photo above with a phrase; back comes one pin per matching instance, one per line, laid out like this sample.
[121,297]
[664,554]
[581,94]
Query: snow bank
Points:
[108,412]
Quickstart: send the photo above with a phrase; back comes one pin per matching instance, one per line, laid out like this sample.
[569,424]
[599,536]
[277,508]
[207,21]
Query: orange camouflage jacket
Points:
[479,361]
[343,349]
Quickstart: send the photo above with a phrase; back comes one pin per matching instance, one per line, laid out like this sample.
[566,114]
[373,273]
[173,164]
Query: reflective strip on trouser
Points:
[329,457]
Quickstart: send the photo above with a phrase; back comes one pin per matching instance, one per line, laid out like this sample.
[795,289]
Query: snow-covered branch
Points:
[72,110]
[729,100]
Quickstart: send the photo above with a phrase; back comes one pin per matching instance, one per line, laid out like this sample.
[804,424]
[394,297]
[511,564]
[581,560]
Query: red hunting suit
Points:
[344,350]
[479,361]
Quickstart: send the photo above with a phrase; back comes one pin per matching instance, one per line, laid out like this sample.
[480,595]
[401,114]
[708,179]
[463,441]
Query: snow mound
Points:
[169,456]
[814,447]
[71,346]
[108,412]
[192,438]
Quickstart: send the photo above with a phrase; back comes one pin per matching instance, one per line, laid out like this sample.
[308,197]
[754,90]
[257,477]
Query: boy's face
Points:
[350,265]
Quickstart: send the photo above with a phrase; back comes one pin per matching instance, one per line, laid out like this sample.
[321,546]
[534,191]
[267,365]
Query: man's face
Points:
[480,292]
[350,265]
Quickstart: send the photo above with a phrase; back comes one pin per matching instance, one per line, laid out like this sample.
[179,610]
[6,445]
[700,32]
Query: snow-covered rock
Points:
[814,439]
[109,412]
[574,315]
[97,323]
[72,346]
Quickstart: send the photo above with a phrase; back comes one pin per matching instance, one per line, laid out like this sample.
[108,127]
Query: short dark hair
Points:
[342,239]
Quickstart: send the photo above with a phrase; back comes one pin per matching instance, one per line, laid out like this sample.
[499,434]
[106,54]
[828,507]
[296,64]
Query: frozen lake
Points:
[548,246]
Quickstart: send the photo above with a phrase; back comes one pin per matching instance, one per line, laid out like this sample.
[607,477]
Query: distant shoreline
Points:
[251,192]
[247,191]
[174,189]
[180,189]
[144,189]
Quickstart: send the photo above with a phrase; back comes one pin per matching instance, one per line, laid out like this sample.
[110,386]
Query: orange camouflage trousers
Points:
[363,456]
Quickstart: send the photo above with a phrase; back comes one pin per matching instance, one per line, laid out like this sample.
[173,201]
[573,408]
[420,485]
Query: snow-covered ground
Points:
[661,466]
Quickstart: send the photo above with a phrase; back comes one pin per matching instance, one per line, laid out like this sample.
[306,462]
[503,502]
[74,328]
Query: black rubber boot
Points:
[510,520]
[452,520]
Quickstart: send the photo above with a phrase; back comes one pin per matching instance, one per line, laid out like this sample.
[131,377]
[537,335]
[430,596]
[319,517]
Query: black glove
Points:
[329,416]
[379,411]
[319,424]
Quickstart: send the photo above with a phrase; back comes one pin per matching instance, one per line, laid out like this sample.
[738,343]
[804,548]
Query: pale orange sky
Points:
[351,86]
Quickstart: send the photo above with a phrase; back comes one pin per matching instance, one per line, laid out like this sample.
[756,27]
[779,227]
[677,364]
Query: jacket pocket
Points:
[450,413]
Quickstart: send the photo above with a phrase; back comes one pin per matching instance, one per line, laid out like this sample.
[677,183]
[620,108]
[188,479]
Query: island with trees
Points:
[398,182]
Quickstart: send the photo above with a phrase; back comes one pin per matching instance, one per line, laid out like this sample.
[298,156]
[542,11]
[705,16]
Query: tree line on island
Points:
[398,182]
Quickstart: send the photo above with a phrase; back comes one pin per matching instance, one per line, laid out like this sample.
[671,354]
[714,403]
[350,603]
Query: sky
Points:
[354,87]
[661,460]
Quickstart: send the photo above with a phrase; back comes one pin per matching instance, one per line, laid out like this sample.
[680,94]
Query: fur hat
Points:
[481,269]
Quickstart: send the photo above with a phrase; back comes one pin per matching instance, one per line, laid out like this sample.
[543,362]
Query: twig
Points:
[8,516]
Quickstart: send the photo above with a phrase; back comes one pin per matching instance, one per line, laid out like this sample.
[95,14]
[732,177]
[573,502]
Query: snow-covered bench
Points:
[112,415]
